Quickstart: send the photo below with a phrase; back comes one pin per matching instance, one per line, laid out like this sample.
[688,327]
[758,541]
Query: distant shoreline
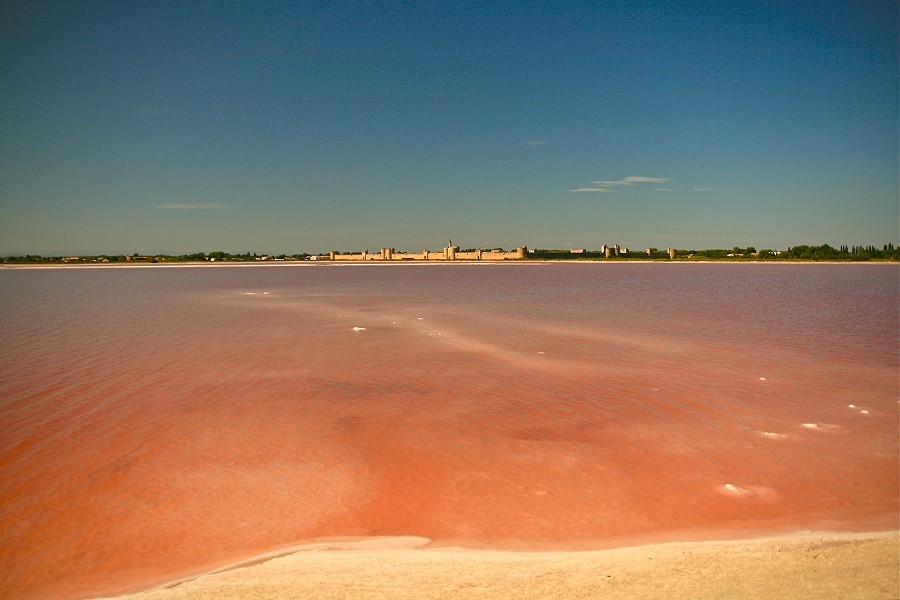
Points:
[326,263]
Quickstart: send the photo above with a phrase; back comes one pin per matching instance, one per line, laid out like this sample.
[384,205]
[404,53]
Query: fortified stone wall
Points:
[517,254]
[449,253]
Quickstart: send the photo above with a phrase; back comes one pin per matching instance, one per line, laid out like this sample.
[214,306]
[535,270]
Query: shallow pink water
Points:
[161,421]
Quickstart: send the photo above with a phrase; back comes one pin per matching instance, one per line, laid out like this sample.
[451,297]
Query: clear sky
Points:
[171,127]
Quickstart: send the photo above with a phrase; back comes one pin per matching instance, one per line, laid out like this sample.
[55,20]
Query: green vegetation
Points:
[136,258]
[826,252]
[811,253]
[737,253]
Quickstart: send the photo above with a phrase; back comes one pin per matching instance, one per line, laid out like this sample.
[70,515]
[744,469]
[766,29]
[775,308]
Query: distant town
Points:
[606,252]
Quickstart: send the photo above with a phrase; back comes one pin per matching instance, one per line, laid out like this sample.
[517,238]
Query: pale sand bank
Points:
[825,565]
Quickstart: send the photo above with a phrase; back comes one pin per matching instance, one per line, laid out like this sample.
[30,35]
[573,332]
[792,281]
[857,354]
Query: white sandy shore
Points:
[821,565]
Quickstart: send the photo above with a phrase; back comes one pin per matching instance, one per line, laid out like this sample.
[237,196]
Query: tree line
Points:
[152,258]
[804,252]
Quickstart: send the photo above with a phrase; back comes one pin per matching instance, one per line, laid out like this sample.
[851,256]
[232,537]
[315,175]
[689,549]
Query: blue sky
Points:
[304,127]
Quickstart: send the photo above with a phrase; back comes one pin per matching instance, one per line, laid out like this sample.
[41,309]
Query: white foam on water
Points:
[811,425]
[359,329]
[771,435]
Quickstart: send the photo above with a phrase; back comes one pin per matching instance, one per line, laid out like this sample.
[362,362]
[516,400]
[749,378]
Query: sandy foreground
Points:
[823,565]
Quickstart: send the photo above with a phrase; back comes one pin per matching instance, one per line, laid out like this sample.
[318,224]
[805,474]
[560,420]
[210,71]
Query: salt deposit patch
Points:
[737,490]
[757,492]
[820,426]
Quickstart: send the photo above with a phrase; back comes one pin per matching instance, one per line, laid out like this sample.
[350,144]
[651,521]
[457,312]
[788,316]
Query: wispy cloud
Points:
[637,179]
[193,206]
[705,188]
[662,189]
[610,185]
[538,143]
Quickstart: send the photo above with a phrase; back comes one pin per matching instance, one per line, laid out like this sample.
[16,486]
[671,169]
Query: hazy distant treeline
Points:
[155,258]
[823,252]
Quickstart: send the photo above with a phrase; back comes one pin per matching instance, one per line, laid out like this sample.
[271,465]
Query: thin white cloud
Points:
[538,143]
[607,185]
[193,206]
[705,188]
[640,179]
[662,189]
[633,179]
